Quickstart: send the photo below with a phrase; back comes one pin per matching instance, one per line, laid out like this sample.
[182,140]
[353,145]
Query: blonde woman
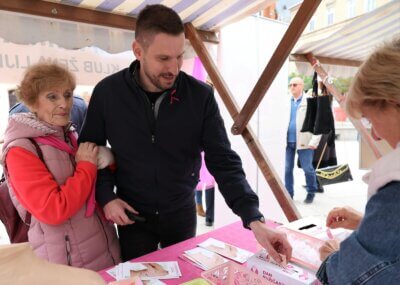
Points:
[371,255]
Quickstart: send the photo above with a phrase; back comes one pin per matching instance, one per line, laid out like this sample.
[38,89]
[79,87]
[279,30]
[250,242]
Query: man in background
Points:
[303,142]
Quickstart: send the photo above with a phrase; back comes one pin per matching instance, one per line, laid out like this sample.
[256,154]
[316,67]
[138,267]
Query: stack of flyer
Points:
[212,253]
[148,272]
[203,258]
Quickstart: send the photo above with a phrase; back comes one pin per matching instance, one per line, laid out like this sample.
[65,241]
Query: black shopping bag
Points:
[319,117]
[334,174]
[311,112]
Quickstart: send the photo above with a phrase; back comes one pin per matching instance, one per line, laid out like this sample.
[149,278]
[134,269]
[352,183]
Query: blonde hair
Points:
[42,77]
[377,82]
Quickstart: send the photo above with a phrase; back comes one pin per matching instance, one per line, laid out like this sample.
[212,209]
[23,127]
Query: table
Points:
[233,234]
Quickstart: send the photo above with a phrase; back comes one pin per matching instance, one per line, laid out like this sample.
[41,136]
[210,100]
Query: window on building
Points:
[311,24]
[351,8]
[330,11]
[369,5]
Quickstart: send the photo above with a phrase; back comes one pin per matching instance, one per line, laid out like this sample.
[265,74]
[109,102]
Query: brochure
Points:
[226,250]
[204,258]
[146,271]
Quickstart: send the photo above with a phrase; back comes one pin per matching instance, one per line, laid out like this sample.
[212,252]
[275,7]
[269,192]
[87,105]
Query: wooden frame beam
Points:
[326,60]
[328,82]
[82,15]
[251,140]
[279,57]
[69,13]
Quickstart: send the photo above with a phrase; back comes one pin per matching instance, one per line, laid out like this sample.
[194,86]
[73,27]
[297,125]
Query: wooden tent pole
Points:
[251,140]
[340,99]
[279,57]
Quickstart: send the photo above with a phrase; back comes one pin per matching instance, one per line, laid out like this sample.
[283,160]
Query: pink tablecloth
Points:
[234,234]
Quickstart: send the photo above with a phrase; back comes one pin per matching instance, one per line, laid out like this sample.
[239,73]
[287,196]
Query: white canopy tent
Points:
[342,47]
[69,37]
[210,17]
[31,25]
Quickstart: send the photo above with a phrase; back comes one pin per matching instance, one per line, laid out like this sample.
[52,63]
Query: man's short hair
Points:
[155,19]
[297,80]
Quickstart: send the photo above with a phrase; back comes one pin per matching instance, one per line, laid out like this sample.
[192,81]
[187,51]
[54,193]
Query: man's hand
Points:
[274,241]
[344,217]
[328,248]
[115,211]
[105,157]
[312,147]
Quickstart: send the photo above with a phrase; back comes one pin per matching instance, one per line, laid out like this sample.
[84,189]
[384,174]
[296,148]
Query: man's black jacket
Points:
[158,156]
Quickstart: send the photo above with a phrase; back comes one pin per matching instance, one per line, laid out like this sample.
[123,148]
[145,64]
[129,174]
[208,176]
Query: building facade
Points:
[331,12]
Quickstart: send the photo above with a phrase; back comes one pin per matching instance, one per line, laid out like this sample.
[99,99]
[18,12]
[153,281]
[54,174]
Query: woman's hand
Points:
[344,217]
[328,248]
[87,151]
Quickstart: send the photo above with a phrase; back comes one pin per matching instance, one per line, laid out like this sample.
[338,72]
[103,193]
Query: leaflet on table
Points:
[117,271]
[226,250]
[146,270]
[137,282]
[153,282]
[190,261]
[203,258]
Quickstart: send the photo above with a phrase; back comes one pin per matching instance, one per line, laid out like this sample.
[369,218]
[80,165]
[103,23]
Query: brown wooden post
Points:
[251,140]
[340,98]
[279,57]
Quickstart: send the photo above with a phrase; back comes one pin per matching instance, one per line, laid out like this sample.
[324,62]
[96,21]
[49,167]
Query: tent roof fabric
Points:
[207,15]
[30,27]
[356,38]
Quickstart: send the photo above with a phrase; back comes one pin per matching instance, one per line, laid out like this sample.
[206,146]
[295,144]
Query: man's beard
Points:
[155,80]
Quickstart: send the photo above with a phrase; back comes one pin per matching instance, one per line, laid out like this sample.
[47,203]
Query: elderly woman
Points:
[52,179]
[371,255]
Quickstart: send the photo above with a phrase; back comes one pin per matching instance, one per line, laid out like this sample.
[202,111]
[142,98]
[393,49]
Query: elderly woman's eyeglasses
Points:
[293,84]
